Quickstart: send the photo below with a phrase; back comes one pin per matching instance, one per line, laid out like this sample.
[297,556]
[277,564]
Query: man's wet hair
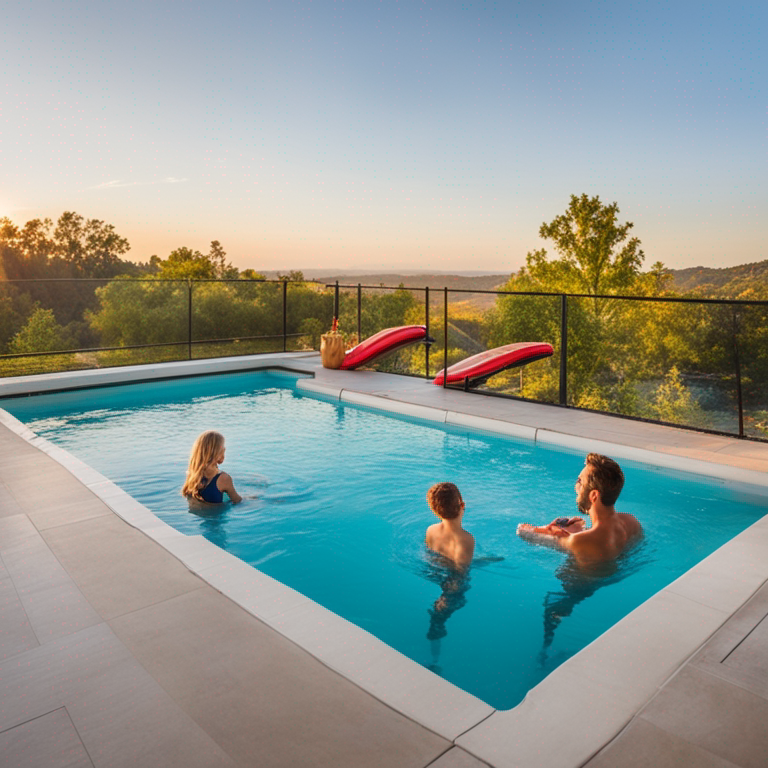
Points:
[605,475]
[445,500]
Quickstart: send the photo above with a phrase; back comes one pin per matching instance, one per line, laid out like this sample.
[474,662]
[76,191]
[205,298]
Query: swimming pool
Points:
[502,631]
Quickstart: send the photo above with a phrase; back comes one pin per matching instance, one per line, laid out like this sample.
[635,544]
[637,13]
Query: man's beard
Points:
[582,501]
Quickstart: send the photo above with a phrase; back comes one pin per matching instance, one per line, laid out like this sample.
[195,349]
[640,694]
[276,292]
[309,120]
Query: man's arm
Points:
[556,527]
[551,535]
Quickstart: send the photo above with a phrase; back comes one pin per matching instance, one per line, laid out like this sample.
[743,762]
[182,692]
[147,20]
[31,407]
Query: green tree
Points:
[41,333]
[313,328]
[593,255]
[74,247]
[91,247]
[134,312]
[251,274]
[15,308]
[674,403]
[184,263]
[293,276]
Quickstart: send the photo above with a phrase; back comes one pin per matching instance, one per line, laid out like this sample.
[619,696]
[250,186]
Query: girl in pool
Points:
[205,482]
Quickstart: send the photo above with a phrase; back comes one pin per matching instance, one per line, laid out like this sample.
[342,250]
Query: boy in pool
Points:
[447,537]
[205,482]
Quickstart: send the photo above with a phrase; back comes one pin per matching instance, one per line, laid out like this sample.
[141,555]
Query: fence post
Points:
[336,301]
[563,349]
[738,369]
[285,315]
[189,318]
[426,325]
[359,313]
[445,337]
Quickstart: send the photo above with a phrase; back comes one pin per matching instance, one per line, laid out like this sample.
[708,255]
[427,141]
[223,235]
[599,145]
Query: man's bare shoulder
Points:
[631,524]
[578,539]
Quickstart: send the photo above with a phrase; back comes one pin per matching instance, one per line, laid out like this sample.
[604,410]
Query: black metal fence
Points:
[694,363]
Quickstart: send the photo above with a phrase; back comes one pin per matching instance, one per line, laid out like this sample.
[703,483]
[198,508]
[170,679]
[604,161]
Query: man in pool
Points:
[597,489]
[447,537]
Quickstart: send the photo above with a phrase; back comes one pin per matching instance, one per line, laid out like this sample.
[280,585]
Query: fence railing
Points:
[692,362]
[718,376]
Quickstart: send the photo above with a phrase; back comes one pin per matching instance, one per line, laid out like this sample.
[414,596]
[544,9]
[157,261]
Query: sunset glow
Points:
[385,135]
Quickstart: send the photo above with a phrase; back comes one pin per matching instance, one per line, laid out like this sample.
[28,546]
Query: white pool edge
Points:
[607,682]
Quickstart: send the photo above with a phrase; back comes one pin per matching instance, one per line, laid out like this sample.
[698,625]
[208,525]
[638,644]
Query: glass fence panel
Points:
[227,315]
[688,363]
[309,315]
[382,308]
[509,319]
[89,315]
[348,316]
[663,361]
[131,313]
[751,350]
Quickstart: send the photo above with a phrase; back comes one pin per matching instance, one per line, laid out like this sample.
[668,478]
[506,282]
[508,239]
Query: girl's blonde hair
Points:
[204,452]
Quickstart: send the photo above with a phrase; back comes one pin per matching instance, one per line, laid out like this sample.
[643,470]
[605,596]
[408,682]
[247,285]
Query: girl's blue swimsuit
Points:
[210,492]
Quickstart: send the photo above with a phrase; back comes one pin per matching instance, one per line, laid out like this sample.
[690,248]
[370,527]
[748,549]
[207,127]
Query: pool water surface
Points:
[335,508]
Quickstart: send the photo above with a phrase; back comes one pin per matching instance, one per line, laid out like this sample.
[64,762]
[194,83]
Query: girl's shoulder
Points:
[223,479]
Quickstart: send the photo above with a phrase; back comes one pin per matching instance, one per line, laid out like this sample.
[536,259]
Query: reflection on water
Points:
[580,581]
[454,583]
[213,519]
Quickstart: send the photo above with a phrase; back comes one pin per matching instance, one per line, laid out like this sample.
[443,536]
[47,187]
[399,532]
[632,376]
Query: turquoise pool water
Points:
[337,511]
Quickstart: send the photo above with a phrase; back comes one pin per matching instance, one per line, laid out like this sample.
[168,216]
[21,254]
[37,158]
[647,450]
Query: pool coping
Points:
[611,679]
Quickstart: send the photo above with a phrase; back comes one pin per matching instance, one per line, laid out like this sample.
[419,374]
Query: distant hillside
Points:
[456,282]
[745,280]
[480,301]
[728,280]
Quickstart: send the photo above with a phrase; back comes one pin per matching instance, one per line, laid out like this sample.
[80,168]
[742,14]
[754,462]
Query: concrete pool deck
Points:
[119,648]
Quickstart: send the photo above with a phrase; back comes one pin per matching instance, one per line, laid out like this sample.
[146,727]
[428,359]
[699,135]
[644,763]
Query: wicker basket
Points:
[332,350]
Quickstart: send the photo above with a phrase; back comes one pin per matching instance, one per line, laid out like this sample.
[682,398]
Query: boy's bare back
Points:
[447,537]
[458,546]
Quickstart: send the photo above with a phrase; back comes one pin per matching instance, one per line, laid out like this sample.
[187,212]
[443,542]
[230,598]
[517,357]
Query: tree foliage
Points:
[74,247]
[593,255]
[41,333]
[186,264]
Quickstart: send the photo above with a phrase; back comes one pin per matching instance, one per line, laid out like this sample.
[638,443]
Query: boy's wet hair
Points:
[606,476]
[445,500]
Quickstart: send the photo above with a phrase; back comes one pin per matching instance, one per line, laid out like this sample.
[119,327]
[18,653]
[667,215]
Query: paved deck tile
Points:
[49,515]
[713,714]
[16,634]
[258,694]
[123,717]
[39,589]
[9,506]
[643,745]
[457,758]
[116,567]
[49,741]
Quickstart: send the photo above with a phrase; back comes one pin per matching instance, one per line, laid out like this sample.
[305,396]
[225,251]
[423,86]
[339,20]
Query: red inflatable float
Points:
[476,369]
[382,343]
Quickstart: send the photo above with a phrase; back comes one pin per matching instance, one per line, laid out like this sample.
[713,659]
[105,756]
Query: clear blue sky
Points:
[367,134]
